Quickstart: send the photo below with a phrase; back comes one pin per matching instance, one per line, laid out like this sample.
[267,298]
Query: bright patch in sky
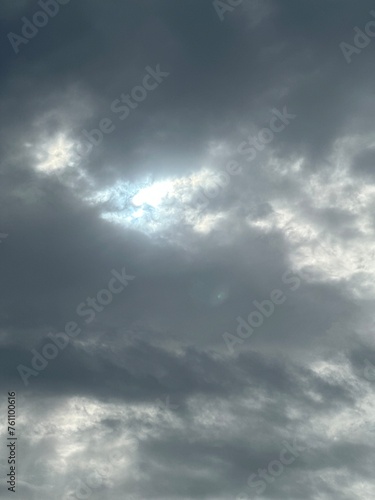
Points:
[152,206]
[325,247]
[153,195]
[55,155]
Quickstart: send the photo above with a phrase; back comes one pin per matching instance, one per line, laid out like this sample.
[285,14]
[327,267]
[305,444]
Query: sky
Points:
[186,249]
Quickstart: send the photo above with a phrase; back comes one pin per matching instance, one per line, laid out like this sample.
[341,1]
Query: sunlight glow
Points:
[152,195]
[54,155]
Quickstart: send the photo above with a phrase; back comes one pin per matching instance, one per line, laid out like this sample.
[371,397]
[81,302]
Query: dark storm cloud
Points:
[294,50]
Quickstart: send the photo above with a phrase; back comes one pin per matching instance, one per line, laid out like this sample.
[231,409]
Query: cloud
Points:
[206,230]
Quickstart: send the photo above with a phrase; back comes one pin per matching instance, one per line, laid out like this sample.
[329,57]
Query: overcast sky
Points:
[186,248]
